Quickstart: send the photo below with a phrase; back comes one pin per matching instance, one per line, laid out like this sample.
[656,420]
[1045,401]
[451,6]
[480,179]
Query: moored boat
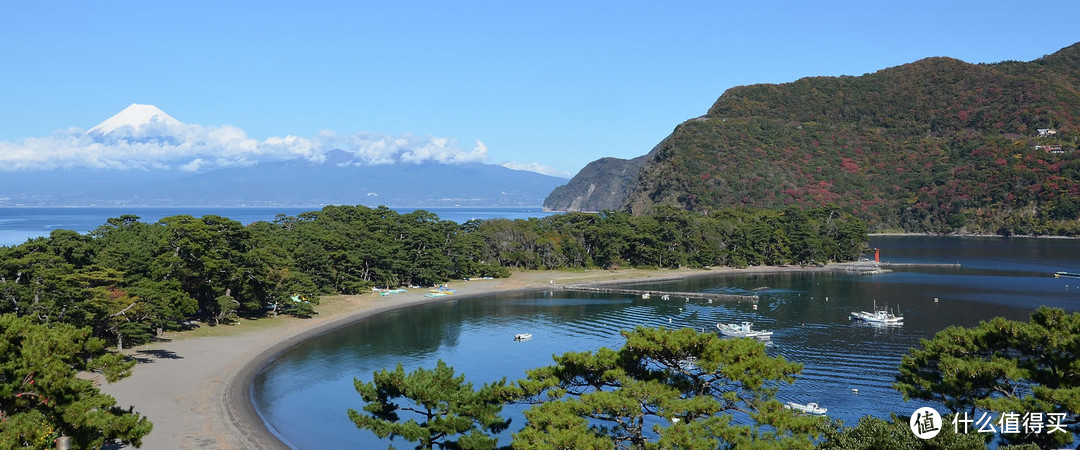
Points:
[809,408]
[522,336]
[1066,274]
[744,329]
[878,316]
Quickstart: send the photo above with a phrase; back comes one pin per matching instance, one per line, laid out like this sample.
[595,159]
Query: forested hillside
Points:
[601,185]
[938,145]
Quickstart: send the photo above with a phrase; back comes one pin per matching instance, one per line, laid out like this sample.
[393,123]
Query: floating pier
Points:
[874,268]
[675,295]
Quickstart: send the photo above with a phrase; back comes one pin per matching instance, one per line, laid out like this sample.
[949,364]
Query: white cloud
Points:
[538,168]
[193,166]
[444,150]
[179,146]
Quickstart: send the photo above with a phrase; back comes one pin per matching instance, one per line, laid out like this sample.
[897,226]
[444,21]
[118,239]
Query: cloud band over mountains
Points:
[196,147]
[160,142]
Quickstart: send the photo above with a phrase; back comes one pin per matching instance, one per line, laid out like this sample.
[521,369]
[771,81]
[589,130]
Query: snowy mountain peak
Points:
[137,117]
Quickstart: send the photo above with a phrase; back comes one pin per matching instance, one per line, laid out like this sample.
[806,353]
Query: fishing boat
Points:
[744,329]
[881,316]
[522,336]
[1066,274]
[809,408]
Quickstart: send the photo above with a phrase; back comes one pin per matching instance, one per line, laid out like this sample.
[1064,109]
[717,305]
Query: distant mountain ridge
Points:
[144,157]
[286,183]
[936,145]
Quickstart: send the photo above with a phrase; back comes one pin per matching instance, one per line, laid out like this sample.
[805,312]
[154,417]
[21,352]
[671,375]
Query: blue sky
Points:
[551,84]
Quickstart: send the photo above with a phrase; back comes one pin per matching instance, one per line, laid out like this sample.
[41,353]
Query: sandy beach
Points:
[195,386]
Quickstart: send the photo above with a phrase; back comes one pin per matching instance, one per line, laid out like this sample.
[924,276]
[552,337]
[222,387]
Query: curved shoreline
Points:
[197,390]
[242,413]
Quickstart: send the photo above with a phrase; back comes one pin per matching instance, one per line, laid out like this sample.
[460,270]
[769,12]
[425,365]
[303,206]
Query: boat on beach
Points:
[809,408]
[744,329]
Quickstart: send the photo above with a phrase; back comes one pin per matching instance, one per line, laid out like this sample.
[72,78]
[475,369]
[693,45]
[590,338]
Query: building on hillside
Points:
[1044,132]
[1056,149]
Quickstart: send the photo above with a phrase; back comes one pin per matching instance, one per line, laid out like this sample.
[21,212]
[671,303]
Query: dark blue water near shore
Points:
[304,394]
[17,224]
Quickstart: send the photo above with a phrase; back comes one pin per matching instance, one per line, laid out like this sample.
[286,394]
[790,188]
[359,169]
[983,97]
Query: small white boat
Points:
[880,316]
[809,408]
[744,329]
[522,336]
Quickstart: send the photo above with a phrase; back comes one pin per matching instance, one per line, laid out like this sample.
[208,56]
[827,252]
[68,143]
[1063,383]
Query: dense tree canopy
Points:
[40,397]
[128,280]
[1004,366]
[441,408]
[665,389]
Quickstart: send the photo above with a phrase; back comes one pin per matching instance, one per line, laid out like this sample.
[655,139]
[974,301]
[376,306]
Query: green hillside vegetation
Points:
[938,145]
[601,185]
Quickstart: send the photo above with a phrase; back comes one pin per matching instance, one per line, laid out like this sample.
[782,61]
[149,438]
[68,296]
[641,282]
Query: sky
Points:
[546,86]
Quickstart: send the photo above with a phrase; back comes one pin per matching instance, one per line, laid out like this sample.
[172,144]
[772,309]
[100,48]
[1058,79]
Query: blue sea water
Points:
[17,224]
[305,393]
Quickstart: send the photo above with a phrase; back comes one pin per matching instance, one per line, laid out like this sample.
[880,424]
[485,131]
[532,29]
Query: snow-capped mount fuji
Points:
[138,121]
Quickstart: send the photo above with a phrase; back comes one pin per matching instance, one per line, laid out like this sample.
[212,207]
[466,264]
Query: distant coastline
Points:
[963,235]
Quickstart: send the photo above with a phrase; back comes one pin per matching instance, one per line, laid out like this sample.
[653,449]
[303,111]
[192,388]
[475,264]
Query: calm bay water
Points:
[305,393]
[17,224]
